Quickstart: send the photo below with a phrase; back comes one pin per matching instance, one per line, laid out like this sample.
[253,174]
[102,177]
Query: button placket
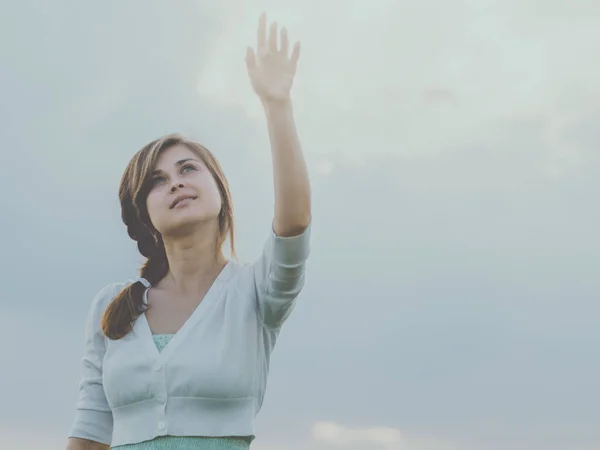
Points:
[161,397]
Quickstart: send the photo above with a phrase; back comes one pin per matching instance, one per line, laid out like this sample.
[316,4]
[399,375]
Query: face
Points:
[183,192]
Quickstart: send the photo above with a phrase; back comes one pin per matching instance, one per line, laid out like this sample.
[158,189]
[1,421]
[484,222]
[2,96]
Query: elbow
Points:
[293,221]
[292,226]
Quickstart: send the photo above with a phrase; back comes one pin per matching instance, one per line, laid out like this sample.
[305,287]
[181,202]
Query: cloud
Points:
[325,167]
[385,438]
[33,437]
[421,78]
[341,436]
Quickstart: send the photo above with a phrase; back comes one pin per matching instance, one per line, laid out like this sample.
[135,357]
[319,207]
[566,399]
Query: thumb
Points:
[250,58]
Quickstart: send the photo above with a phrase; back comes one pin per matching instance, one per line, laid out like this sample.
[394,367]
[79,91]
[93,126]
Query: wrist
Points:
[276,105]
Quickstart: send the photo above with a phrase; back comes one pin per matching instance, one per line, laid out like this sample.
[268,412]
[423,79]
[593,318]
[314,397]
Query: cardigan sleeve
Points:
[279,276]
[93,416]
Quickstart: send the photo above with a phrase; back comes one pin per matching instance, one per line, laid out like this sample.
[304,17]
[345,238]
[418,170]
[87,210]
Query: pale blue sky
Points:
[452,297]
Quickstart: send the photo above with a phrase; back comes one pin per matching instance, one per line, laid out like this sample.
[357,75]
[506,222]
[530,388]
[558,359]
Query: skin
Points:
[271,71]
[189,231]
[84,444]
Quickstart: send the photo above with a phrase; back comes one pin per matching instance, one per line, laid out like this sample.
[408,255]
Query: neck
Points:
[194,261]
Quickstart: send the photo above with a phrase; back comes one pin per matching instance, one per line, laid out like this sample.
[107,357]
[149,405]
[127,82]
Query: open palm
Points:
[271,68]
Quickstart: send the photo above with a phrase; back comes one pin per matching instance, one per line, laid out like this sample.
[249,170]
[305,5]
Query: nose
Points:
[174,186]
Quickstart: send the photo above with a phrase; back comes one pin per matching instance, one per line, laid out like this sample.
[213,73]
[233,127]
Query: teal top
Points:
[186,442]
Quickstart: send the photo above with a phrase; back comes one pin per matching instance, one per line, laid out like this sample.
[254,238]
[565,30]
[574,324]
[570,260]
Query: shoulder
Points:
[106,295]
[238,272]
[240,279]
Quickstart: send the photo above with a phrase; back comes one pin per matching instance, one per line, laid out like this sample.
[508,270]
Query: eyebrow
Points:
[178,163]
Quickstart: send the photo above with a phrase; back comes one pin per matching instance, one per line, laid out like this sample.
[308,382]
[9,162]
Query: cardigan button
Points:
[162,426]
[157,367]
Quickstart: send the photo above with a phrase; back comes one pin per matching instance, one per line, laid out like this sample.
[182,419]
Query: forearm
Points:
[84,444]
[291,181]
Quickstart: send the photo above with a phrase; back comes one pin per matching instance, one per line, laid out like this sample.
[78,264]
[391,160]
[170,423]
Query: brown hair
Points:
[128,305]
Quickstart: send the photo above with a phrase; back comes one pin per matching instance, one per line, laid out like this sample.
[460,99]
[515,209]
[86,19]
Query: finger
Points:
[273,38]
[250,59]
[262,35]
[295,56]
[284,42]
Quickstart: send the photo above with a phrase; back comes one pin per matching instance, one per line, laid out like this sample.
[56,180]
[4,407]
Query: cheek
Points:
[209,193]
[153,208]
[215,197]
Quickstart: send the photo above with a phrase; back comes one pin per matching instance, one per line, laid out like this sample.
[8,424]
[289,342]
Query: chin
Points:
[189,224]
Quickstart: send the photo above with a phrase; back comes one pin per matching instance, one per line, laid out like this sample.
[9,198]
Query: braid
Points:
[156,266]
[128,305]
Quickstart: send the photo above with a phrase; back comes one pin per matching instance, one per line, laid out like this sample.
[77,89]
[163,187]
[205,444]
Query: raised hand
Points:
[271,68]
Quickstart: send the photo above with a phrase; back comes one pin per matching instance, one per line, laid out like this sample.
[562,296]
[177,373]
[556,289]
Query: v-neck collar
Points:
[142,327]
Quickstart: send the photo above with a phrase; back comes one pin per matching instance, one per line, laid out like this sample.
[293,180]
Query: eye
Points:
[157,180]
[188,168]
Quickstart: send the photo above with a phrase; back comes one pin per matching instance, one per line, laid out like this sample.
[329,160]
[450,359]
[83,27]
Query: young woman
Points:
[178,358]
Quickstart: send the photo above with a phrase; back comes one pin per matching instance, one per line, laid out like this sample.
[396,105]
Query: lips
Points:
[181,198]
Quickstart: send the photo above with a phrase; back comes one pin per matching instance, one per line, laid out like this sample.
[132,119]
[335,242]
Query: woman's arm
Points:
[280,272]
[92,426]
[272,72]
[84,444]
[292,185]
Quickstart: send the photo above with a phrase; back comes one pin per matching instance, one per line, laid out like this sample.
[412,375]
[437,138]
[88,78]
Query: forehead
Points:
[169,157]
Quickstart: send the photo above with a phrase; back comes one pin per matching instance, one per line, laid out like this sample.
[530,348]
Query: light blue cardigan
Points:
[186,442]
[210,379]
